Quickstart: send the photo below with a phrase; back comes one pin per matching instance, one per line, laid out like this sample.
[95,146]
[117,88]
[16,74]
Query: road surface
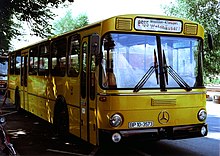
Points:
[33,136]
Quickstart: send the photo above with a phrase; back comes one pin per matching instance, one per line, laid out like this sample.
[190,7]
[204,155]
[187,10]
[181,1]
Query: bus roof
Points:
[133,16]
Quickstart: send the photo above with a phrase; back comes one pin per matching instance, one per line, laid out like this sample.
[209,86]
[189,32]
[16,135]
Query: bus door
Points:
[88,99]
[24,90]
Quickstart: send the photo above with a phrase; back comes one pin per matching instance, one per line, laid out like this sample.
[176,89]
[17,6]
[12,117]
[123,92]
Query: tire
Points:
[61,118]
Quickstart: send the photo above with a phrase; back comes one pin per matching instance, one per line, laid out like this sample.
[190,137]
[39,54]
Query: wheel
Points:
[61,118]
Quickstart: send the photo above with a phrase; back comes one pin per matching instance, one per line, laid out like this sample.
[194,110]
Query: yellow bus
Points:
[126,77]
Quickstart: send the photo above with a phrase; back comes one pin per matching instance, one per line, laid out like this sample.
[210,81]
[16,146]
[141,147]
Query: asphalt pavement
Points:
[32,136]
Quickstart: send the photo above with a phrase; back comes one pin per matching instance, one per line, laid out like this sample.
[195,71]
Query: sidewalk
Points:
[212,88]
[213,93]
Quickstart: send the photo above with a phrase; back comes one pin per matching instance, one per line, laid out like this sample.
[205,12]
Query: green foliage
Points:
[68,23]
[207,13]
[35,12]
[212,80]
[7,25]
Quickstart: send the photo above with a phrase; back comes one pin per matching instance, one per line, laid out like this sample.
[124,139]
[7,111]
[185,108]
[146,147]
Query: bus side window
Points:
[33,61]
[58,56]
[43,63]
[73,56]
[17,63]
[12,64]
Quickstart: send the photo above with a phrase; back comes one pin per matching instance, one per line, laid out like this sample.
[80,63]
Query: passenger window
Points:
[58,55]
[44,56]
[12,64]
[33,61]
[17,63]
[73,56]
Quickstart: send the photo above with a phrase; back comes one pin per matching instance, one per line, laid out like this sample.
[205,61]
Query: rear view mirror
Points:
[94,48]
[210,41]
[94,43]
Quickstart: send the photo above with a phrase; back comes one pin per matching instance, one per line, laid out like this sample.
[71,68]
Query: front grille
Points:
[162,102]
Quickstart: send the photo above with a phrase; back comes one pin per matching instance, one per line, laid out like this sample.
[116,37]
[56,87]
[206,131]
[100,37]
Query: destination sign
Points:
[162,25]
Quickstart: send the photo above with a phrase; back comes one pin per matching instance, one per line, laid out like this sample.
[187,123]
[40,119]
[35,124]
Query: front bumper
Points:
[177,132]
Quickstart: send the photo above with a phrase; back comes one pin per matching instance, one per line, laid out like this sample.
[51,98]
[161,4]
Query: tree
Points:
[35,12]
[68,23]
[207,13]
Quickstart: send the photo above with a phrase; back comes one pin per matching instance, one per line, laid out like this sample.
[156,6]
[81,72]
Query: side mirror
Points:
[94,44]
[95,48]
[210,41]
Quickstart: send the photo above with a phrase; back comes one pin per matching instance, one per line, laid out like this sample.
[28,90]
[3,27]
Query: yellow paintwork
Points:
[109,25]
[46,89]
[13,81]
[40,94]
[74,122]
[139,107]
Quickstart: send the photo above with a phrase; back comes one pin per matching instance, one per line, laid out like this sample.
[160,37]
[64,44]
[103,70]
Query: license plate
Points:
[140,124]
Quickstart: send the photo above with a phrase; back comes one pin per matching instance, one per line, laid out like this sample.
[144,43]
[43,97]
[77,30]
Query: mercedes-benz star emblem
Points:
[163,117]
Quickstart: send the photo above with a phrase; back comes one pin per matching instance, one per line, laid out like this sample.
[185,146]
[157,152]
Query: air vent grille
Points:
[162,102]
[123,24]
[190,29]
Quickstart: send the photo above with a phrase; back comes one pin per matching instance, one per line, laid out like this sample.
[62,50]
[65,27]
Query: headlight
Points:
[202,115]
[2,120]
[115,120]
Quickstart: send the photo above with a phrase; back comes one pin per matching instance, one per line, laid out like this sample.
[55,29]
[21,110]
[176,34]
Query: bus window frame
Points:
[41,71]
[17,70]
[73,71]
[84,69]
[24,70]
[12,63]
[58,70]
[200,83]
[33,71]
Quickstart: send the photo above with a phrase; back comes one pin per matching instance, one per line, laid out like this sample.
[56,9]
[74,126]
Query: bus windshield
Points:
[128,57]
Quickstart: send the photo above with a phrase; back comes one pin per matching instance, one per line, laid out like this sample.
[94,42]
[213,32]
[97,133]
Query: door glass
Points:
[73,56]
[24,71]
[92,78]
[83,73]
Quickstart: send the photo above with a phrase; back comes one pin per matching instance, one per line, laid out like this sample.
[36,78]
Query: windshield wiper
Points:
[174,75]
[148,74]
